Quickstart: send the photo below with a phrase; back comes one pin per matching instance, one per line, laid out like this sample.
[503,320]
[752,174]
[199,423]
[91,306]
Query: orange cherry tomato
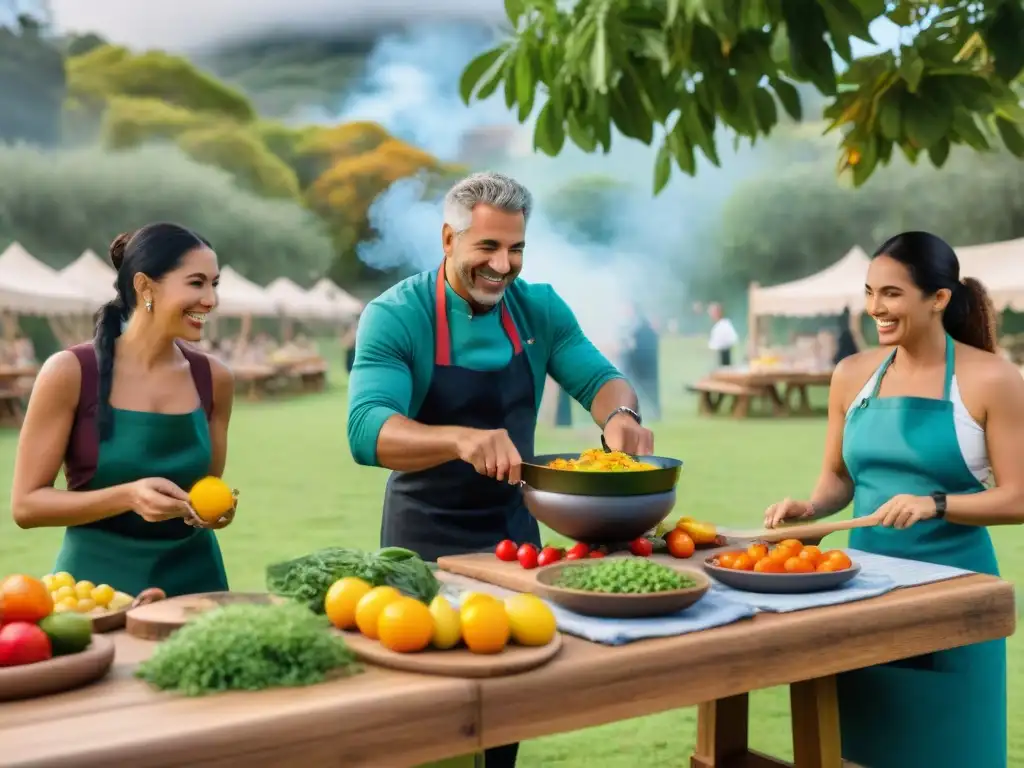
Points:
[727,559]
[780,554]
[794,545]
[743,563]
[757,551]
[839,558]
[767,565]
[811,553]
[799,564]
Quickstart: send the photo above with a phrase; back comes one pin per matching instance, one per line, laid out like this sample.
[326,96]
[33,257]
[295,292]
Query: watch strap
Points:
[940,504]
[622,409]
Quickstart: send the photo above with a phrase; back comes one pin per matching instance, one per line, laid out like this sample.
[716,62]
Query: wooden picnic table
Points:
[383,718]
[794,383]
[15,383]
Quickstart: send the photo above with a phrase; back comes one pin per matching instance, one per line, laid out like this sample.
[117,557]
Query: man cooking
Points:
[449,372]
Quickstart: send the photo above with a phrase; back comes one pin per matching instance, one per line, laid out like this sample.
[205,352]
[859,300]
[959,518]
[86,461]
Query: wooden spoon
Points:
[806,533]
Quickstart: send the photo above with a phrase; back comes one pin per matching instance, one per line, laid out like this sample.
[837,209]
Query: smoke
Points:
[411,87]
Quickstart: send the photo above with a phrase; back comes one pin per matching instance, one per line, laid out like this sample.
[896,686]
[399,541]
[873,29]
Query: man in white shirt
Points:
[723,335]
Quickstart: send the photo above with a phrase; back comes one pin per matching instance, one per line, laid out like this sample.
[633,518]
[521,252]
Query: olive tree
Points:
[675,71]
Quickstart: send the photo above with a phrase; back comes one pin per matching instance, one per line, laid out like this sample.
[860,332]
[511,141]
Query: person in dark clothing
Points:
[642,364]
[846,344]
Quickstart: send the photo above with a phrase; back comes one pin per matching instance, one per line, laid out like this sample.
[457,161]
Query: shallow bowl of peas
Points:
[621,587]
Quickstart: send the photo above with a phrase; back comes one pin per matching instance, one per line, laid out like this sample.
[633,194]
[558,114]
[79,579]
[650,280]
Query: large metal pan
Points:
[542,478]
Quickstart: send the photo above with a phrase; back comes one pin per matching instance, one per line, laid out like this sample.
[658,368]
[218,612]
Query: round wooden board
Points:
[58,674]
[457,662]
[109,621]
[159,620]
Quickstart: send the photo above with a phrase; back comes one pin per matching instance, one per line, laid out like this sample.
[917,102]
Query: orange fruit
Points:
[211,498]
[342,599]
[767,565]
[838,558]
[701,533]
[799,565]
[370,607]
[743,563]
[485,627]
[405,626]
[728,559]
[25,599]
[680,543]
[792,544]
[780,554]
[811,553]
[757,551]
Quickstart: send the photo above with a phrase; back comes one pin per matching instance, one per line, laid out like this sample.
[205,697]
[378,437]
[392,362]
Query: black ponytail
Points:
[153,250]
[969,316]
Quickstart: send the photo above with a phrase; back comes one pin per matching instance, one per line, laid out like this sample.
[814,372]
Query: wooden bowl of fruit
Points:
[107,607]
[788,567]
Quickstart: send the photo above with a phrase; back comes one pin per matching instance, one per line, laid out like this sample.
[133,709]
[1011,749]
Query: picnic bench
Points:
[712,393]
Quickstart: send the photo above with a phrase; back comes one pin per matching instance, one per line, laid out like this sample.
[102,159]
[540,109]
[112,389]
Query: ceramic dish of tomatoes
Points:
[788,567]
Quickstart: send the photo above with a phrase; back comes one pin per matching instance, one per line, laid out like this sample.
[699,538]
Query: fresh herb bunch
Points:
[248,648]
[306,579]
[623,575]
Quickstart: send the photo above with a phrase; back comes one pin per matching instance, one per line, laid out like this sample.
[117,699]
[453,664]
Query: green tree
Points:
[237,150]
[676,70]
[589,208]
[32,85]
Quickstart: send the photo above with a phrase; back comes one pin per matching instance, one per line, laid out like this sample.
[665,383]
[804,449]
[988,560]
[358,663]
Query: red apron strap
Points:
[442,334]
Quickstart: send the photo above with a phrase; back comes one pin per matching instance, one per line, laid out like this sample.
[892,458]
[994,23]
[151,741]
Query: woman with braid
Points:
[135,417]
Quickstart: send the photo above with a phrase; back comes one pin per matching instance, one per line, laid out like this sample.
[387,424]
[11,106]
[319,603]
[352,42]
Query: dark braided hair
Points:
[969,317]
[154,250]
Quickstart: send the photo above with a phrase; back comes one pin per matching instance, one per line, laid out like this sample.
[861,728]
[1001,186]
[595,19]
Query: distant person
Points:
[723,335]
[641,362]
[846,344]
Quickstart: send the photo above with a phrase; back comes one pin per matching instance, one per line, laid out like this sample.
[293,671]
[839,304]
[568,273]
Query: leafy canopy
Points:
[676,70]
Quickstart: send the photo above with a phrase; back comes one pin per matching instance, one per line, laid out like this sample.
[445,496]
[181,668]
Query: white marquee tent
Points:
[92,275]
[348,304]
[238,296]
[293,301]
[27,286]
[829,292]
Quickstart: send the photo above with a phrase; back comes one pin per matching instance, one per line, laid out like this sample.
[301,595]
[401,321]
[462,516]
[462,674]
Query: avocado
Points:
[68,632]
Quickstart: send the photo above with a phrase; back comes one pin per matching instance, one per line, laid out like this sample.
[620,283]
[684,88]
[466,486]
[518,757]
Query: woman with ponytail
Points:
[135,417]
[927,435]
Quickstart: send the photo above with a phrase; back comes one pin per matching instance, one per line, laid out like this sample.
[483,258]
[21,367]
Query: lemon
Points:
[447,625]
[530,620]
[405,625]
[370,606]
[84,589]
[485,626]
[63,579]
[342,599]
[211,498]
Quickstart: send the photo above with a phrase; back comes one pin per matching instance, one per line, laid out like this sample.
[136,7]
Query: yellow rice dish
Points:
[596,460]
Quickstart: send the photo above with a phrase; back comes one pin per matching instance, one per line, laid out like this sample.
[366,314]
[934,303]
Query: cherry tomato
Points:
[527,556]
[581,549]
[595,554]
[573,556]
[506,551]
[679,543]
[549,555]
[641,547]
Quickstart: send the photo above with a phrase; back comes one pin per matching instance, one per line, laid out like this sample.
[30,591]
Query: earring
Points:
[149,305]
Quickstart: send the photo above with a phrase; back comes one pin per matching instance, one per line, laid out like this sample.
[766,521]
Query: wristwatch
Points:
[622,409]
[940,505]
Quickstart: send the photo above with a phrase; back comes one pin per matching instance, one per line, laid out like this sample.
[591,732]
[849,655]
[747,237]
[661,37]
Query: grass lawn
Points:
[300,490]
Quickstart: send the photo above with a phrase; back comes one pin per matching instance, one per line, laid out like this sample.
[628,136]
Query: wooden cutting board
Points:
[488,568]
[158,621]
[456,662]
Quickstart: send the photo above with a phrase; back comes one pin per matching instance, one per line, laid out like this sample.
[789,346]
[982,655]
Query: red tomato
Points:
[573,556]
[23,643]
[641,547]
[581,550]
[596,554]
[506,551]
[527,556]
[679,543]
[549,555]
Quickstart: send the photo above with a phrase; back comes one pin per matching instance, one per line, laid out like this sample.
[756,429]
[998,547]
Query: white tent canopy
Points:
[92,275]
[1000,268]
[239,296]
[27,286]
[293,301]
[829,292]
[348,304]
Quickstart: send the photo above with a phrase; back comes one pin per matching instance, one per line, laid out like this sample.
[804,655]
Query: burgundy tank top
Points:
[83,449]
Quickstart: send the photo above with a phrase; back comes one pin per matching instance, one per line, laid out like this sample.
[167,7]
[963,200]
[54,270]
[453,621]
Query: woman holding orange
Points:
[929,437]
[136,418]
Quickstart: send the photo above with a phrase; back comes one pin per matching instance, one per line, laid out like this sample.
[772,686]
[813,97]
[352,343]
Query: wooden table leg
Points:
[816,740]
[721,732]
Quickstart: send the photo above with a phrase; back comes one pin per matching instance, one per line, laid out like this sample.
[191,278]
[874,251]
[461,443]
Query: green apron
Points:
[942,709]
[127,552]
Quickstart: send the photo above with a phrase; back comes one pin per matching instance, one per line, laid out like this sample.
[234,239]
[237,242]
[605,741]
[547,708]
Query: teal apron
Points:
[942,709]
[127,552]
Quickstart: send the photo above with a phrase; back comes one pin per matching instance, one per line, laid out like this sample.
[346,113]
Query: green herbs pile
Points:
[306,579]
[623,576]
[248,648]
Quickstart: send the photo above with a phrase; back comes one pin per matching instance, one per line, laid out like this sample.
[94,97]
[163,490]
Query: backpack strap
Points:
[83,448]
[202,376]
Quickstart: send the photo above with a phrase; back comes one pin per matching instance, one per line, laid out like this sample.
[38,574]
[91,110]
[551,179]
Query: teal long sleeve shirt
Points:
[395,351]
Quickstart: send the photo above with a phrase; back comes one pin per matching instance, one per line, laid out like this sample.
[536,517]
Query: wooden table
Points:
[383,719]
[794,383]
